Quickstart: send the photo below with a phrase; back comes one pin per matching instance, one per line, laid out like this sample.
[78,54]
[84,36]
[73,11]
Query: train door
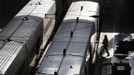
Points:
[120,68]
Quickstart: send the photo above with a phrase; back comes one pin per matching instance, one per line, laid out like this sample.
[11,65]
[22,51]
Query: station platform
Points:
[117,25]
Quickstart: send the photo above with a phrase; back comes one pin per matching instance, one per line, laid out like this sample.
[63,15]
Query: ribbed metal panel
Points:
[28,30]
[12,55]
[79,39]
[2,44]
[28,33]
[9,30]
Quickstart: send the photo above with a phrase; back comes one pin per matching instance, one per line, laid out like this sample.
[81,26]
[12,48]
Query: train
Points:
[25,35]
[68,51]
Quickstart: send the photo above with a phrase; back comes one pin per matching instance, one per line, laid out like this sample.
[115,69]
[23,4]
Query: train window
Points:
[120,67]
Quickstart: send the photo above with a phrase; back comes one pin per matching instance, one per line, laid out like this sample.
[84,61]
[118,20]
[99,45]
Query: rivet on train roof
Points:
[71,34]
[77,19]
[55,73]
[25,18]
[64,52]
[81,8]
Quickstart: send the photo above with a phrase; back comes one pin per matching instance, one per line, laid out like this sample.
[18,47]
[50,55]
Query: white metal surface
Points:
[44,9]
[9,30]
[12,54]
[75,46]
[83,10]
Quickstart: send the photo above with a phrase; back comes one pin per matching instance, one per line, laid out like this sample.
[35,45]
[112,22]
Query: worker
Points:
[105,46]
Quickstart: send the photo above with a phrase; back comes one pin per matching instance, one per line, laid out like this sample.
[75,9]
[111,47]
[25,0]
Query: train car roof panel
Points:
[8,54]
[67,26]
[88,13]
[76,6]
[50,64]
[9,30]
[74,13]
[90,6]
[61,38]
[27,29]
[84,32]
[77,48]
[26,11]
[84,24]
[72,17]
[57,48]
[79,39]
[71,65]
[45,7]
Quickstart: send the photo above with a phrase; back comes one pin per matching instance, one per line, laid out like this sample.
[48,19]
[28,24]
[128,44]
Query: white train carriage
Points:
[67,53]
[22,36]
[44,9]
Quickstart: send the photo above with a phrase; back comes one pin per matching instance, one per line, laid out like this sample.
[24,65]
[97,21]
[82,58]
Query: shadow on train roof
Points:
[30,17]
[78,20]
[87,0]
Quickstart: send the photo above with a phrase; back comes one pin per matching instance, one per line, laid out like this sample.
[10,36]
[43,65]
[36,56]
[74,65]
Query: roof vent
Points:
[77,19]
[71,34]
[81,8]
[64,52]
